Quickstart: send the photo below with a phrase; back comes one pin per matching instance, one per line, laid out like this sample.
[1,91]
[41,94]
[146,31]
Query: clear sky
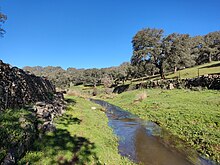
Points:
[94,33]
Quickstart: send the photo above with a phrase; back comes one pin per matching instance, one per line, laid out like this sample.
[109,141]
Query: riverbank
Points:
[82,136]
[193,116]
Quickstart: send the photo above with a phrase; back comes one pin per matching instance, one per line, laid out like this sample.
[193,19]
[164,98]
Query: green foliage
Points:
[178,55]
[88,77]
[151,50]
[82,137]
[148,47]
[191,115]
[3,18]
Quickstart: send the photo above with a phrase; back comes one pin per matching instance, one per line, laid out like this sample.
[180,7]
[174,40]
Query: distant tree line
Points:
[153,53]
[87,77]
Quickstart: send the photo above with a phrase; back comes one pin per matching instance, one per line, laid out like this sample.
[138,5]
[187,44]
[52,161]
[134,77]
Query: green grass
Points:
[15,125]
[193,116]
[82,136]
[209,68]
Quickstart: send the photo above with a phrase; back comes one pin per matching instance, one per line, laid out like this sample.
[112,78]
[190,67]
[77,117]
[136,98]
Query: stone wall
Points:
[208,81]
[18,88]
[36,94]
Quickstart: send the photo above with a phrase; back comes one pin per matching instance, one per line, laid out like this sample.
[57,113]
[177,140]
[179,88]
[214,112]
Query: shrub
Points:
[141,96]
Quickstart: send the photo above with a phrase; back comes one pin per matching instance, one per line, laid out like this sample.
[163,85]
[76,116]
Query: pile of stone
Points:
[19,88]
[46,111]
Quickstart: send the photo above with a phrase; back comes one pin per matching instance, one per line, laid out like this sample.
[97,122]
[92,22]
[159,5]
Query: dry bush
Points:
[140,97]
[108,96]
[73,93]
[76,93]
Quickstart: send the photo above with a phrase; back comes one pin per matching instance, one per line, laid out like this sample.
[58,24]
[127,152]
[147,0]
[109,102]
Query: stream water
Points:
[147,143]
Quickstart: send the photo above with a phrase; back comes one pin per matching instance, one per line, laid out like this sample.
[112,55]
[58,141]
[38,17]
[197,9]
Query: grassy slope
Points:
[194,116]
[209,68]
[82,131]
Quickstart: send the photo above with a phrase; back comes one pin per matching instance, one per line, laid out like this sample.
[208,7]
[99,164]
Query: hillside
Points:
[208,68]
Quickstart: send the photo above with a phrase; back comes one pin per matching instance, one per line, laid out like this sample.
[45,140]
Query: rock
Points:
[48,127]
[40,103]
[40,111]
[46,115]
[22,119]
[9,159]
[170,86]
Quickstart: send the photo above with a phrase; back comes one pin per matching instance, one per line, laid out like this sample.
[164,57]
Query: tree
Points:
[209,49]
[196,44]
[149,48]
[3,18]
[178,51]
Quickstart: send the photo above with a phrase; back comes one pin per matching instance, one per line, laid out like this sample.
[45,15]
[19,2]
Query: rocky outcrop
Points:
[18,88]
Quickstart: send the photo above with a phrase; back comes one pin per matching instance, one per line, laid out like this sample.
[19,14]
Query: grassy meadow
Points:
[193,116]
[82,137]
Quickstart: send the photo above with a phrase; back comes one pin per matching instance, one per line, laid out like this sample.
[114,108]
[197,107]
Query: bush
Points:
[141,96]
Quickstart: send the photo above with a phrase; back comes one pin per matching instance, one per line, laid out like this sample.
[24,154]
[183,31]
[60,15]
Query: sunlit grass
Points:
[205,69]
[82,137]
[194,116]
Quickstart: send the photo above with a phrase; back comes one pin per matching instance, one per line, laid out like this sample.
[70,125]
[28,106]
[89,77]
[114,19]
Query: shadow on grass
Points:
[211,66]
[64,149]
[16,126]
[70,101]
[66,120]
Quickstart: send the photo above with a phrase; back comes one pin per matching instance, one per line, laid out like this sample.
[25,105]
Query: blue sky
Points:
[94,33]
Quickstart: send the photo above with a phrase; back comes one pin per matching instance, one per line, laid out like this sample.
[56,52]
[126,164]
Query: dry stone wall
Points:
[37,94]
[208,81]
[18,88]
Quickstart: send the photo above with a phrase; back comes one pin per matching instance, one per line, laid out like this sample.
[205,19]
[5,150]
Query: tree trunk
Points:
[161,69]
[161,72]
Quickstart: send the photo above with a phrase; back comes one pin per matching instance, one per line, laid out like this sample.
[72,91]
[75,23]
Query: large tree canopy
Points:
[148,48]
[153,51]
[178,51]
[210,50]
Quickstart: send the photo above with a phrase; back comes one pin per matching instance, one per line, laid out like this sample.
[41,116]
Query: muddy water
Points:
[145,142]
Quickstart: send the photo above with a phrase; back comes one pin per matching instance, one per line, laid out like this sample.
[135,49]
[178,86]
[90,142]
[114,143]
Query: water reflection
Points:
[145,142]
